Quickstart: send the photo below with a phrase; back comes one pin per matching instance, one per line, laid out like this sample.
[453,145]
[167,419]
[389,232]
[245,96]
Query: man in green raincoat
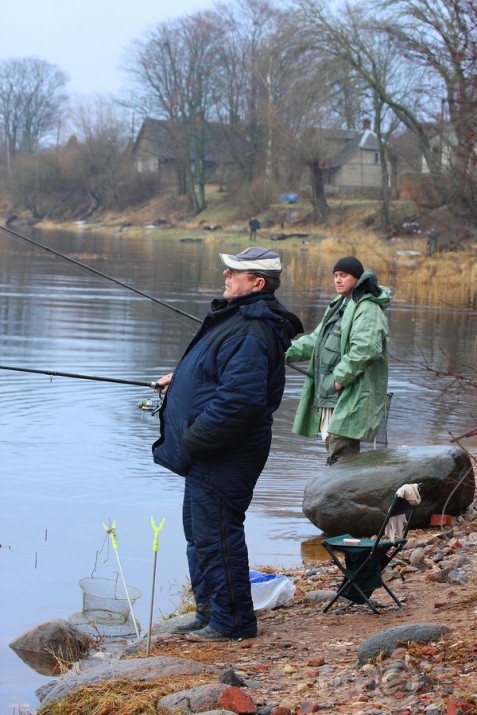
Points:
[344,395]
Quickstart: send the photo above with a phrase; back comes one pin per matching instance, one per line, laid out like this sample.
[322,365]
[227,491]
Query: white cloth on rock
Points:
[410,492]
[397,524]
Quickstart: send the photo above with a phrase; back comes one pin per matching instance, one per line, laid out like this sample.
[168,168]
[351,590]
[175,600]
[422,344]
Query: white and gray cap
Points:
[256,260]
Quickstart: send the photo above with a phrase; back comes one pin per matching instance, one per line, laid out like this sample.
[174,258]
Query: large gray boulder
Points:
[385,642]
[353,495]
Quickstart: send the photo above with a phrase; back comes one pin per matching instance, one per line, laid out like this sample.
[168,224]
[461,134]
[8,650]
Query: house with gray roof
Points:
[159,144]
[355,166]
[352,159]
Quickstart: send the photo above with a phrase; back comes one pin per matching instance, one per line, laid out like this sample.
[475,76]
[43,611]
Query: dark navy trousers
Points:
[218,559]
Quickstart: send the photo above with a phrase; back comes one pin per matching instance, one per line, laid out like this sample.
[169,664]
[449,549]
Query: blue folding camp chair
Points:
[362,561]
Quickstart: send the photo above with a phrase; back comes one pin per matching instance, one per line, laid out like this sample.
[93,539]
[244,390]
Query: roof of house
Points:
[160,137]
[365,140]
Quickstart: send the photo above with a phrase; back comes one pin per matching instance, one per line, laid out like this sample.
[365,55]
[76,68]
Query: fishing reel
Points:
[151,404]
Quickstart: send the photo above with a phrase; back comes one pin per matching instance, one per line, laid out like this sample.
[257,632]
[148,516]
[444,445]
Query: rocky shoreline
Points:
[348,661]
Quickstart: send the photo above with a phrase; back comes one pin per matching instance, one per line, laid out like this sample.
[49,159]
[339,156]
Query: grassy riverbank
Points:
[400,258]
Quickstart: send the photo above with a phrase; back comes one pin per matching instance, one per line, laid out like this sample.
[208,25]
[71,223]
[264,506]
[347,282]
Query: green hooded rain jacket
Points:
[362,366]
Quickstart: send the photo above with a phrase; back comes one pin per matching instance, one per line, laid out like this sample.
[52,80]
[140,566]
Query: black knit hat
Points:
[351,265]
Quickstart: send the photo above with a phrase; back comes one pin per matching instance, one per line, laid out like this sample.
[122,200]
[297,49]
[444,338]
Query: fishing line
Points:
[79,264]
[450,533]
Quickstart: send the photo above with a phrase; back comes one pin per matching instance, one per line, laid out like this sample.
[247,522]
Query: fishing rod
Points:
[37,244]
[101,274]
[55,373]
[471,433]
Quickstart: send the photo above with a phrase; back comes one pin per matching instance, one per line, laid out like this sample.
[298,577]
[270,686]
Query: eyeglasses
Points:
[238,270]
[232,271]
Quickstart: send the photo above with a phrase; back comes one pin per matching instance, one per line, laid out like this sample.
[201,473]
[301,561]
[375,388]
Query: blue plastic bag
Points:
[270,590]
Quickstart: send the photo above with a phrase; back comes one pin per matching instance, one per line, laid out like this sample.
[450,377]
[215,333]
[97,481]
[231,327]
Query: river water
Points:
[76,454]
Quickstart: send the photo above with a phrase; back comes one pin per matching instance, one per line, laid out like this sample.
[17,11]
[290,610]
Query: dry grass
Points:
[445,280]
[215,653]
[121,696]
[130,697]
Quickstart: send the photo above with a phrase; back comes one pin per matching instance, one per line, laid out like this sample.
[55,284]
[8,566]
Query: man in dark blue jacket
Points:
[216,431]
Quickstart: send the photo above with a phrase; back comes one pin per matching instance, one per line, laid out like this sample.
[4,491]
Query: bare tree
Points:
[348,99]
[90,172]
[32,97]
[97,155]
[231,47]
[440,35]
[175,69]
[272,94]
[250,67]
[30,183]
[350,38]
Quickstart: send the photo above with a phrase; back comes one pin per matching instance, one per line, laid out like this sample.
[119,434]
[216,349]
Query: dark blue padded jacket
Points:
[216,418]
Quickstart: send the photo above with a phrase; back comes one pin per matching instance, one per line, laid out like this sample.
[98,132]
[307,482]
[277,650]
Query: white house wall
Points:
[363,170]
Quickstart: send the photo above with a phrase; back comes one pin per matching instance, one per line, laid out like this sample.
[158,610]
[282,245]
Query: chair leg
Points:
[367,600]
[357,588]
[335,598]
[393,596]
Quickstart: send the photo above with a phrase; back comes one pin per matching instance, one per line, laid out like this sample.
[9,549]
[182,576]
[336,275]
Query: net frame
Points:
[106,608]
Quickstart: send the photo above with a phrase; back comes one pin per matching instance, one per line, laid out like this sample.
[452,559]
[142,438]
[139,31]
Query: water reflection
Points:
[43,663]
[76,454]
[313,551]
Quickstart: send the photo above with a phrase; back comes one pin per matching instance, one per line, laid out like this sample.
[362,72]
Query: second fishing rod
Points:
[105,276]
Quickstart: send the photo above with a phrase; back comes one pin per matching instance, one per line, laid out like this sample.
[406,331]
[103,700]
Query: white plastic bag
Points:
[270,590]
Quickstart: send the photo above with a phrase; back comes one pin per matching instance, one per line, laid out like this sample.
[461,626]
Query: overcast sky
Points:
[85,38]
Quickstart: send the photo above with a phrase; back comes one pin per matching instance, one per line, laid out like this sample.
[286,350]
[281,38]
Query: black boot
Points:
[195,625]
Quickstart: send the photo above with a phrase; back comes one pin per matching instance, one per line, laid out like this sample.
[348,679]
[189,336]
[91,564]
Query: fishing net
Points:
[106,610]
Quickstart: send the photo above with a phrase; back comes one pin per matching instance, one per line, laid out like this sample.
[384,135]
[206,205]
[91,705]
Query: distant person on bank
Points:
[254,225]
[344,396]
